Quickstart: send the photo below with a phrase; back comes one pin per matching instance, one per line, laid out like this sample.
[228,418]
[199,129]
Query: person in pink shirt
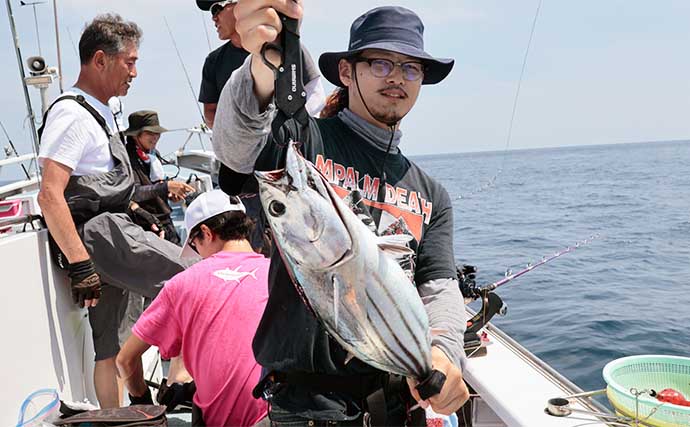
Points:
[208,314]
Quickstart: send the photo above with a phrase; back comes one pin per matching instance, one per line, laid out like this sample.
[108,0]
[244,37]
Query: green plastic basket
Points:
[644,373]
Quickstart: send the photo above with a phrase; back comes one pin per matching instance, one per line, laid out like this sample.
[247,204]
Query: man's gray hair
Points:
[109,33]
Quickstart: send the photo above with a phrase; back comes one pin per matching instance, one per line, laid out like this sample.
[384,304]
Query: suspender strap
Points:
[79,99]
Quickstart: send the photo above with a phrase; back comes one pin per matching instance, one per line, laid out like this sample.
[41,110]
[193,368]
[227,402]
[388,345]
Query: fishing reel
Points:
[467,280]
[492,304]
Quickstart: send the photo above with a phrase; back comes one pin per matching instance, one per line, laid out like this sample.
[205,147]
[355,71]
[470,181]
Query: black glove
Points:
[176,394]
[142,216]
[85,281]
[146,399]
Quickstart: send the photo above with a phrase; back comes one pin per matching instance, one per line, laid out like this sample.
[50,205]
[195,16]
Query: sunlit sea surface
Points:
[626,293]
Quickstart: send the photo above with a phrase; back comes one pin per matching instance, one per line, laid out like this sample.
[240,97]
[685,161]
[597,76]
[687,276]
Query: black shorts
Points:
[105,321]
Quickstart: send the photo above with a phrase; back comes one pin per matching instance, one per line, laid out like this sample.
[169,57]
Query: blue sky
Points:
[598,72]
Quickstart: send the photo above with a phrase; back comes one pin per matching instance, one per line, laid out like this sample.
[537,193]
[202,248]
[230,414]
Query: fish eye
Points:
[276,208]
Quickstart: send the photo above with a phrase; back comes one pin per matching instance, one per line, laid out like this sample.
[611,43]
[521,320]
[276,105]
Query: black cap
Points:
[206,4]
[390,28]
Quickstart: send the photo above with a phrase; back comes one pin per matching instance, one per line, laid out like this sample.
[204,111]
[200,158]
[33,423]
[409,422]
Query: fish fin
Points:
[395,244]
[348,358]
[269,176]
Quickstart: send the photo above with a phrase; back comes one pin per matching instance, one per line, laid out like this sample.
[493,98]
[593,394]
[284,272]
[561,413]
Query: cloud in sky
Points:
[598,72]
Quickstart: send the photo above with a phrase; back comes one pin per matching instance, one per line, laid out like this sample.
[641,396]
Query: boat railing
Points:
[18,159]
[29,182]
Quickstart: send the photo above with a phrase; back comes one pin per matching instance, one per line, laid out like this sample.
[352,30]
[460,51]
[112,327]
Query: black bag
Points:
[129,416]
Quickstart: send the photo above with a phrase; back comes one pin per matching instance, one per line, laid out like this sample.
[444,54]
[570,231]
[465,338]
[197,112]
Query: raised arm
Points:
[245,112]
[258,23]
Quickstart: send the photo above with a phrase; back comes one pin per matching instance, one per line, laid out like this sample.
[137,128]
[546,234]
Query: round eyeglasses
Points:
[380,67]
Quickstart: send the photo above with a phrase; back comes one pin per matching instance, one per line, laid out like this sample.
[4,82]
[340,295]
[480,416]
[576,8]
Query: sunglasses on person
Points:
[192,238]
[196,231]
[380,67]
[220,5]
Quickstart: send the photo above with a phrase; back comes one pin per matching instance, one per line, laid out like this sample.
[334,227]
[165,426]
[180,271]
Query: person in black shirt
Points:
[313,380]
[220,63]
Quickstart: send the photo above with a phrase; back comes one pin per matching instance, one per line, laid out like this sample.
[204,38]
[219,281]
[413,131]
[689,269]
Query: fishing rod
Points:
[529,267]
[208,39]
[189,81]
[13,149]
[492,304]
[492,182]
[71,39]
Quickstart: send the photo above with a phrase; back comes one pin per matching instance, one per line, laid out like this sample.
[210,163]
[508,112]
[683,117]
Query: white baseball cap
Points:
[205,206]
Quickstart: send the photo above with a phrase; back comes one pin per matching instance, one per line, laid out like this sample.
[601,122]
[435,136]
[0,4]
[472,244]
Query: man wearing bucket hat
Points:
[208,315]
[380,76]
[152,190]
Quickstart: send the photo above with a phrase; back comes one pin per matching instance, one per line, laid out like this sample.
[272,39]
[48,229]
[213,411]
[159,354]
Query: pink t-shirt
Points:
[209,313]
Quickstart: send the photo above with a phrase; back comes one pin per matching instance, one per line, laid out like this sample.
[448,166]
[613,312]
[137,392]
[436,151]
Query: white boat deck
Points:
[516,385]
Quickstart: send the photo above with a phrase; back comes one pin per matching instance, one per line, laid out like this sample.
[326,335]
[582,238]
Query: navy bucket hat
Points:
[390,28]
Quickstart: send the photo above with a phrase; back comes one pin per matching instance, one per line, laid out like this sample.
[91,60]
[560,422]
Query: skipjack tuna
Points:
[346,274]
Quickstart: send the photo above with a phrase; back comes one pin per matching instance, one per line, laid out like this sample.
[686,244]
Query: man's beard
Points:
[388,116]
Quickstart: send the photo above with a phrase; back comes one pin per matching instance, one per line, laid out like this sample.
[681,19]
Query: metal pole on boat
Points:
[22,75]
[13,149]
[57,42]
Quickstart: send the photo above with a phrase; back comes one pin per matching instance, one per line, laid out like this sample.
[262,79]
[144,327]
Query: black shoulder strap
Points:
[81,101]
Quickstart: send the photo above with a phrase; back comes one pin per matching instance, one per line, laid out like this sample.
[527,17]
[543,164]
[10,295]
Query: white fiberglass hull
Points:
[46,338]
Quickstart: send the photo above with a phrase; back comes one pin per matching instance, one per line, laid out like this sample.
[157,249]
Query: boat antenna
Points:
[57,45]
[189,81]
[13,149]
[38,34]
[27,100]
[492,182]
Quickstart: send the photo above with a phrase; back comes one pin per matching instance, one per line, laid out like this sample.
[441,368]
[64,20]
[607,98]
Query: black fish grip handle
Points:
[432,385]
[290,95]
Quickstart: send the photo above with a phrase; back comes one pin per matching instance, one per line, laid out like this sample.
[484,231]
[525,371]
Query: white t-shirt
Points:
[72,136]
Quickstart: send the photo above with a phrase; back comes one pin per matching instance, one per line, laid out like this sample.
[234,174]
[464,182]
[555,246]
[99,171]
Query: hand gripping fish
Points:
[347,275]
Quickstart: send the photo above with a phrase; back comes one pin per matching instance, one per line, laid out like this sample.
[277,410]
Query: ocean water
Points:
[626,293]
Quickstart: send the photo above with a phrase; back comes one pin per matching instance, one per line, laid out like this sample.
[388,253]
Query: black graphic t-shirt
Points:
[289,337]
